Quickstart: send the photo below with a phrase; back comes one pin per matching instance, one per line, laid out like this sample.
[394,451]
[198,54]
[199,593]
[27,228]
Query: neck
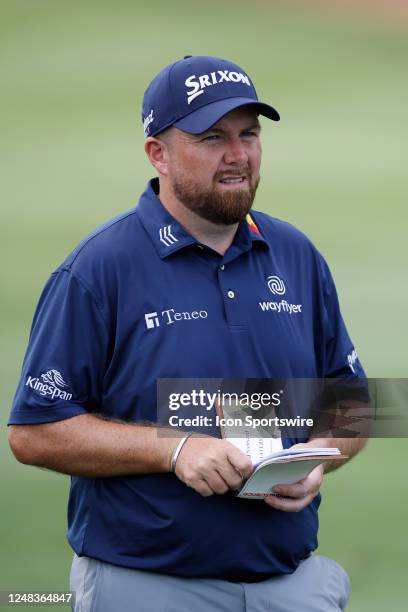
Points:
[217,237]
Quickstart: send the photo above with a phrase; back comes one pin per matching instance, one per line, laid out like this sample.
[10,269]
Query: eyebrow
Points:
[246,129]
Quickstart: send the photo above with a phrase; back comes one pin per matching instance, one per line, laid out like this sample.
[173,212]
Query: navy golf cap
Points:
[195,92]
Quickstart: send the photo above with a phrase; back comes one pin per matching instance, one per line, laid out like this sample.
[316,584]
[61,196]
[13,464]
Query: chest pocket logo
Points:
[276,285]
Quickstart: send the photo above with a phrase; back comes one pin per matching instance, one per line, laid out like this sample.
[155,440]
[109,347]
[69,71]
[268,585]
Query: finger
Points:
[241,462]
[216,483]
[301,445]
[230,474]
[285,504]
[202,488]
[309,485]
[296,490]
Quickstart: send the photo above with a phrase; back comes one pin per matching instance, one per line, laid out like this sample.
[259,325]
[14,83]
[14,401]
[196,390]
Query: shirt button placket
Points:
[230,297]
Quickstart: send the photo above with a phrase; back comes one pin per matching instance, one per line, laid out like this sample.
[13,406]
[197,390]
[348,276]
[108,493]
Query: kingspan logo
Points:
[197,84]
[52,384]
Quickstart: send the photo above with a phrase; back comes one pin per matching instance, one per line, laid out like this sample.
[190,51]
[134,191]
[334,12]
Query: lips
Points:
[233,180]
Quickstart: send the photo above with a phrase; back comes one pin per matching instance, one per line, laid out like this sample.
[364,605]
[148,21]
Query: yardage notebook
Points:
[272,463]
[285,466]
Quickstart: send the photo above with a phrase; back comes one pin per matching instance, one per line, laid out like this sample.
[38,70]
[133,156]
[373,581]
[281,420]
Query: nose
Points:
[235,152]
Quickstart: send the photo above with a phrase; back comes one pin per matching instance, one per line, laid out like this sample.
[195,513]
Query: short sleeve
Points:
[64,365]
[340,357]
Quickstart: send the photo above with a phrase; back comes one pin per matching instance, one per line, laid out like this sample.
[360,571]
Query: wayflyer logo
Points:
[277,287]
[282,306]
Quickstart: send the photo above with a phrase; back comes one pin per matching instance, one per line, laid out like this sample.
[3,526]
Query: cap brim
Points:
[203,118]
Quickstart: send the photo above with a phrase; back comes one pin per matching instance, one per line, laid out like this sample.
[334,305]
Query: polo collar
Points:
[168,236]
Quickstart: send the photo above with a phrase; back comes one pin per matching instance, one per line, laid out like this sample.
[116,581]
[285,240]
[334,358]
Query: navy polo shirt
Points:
[140,299]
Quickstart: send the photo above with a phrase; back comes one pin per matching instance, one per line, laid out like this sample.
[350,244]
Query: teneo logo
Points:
[166,237]
[52,384]
[198,84]
[351,360]
[276,285]
[171,316]
[151,320]
[146,123]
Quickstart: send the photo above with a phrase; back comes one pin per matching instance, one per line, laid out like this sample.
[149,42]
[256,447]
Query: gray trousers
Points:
[318,585]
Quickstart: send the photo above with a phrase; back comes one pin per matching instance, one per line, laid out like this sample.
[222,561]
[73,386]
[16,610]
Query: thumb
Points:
[241,462]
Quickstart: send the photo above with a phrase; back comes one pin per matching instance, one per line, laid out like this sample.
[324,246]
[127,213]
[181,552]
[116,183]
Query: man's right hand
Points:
[94,447]
[209,465]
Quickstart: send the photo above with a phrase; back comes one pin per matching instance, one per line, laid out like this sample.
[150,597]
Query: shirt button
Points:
[231,294]
[222,267]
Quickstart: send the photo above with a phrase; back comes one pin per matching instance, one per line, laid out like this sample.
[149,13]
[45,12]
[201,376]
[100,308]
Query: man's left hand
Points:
[297,496]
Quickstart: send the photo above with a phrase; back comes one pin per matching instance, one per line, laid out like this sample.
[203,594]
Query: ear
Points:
[158,154]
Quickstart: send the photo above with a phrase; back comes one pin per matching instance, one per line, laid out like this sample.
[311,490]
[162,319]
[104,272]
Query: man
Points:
[174,289]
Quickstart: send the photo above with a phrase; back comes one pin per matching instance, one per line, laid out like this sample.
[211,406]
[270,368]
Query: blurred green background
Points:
[72,78]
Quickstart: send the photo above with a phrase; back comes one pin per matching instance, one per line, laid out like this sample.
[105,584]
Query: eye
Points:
[250,134]
[211,138]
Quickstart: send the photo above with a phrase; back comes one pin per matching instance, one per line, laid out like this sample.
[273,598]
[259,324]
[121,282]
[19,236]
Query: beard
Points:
[219,207]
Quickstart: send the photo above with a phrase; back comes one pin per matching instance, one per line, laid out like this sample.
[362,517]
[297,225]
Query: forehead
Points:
[236,120]
[239,117]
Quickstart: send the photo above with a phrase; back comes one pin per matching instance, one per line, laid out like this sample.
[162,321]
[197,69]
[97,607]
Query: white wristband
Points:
[177,451]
